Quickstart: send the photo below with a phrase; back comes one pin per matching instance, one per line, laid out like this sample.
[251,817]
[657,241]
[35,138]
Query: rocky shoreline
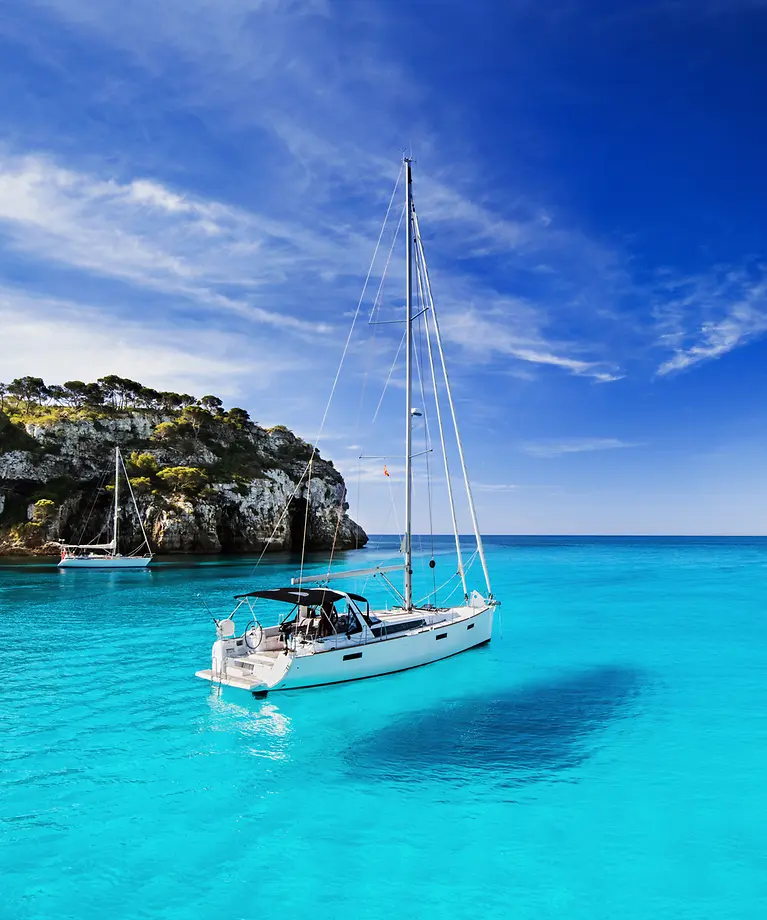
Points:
[204,483]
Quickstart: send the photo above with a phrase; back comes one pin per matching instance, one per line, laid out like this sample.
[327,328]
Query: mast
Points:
[117,482]
[408,384]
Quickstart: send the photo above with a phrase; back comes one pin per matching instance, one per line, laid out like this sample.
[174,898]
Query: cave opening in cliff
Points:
[297,513]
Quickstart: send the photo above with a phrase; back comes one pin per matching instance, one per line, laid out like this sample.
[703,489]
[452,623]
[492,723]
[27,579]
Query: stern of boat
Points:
[235,664]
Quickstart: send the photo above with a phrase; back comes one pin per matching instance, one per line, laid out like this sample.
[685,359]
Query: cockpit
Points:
[318,613]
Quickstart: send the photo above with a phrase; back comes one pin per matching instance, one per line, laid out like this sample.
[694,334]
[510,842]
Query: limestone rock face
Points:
[253,490]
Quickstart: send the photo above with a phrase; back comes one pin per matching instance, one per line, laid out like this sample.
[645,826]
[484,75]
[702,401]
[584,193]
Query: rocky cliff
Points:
[204,482]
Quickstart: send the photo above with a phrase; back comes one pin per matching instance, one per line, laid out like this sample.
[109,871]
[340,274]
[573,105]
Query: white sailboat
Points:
[107,555]
[331,636]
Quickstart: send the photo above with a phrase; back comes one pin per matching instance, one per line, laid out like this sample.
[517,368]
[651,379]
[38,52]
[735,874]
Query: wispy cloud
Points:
[61,340]
[706,316]
[148,235]
[261,63]
[290,254]
[512,328]
[547,449]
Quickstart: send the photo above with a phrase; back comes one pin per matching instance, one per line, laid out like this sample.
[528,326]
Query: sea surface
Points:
[604,757]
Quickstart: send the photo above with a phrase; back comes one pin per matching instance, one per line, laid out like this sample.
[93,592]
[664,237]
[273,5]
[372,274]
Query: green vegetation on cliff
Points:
[29,399]
[182,424]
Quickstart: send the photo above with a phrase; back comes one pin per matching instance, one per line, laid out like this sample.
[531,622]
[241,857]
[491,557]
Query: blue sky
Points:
[190,194]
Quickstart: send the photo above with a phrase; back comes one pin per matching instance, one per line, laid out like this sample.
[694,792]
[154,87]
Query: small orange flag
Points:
[386,472]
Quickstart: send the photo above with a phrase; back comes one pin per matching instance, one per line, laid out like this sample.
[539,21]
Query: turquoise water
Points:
[606,756]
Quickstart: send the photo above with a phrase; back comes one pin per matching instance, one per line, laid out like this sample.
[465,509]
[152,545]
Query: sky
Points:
[191,193]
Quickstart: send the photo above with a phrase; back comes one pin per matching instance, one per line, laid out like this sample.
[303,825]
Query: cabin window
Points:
[352,656]
[383,630]
[471,626]
[442,636]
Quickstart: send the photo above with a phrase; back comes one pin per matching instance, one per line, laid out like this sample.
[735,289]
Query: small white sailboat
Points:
[332,636]
[107,555]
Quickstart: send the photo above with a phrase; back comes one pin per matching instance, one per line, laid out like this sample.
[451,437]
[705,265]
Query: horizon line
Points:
[486,535]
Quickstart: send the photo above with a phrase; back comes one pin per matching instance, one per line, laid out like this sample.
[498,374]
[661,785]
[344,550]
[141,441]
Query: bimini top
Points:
[307,597]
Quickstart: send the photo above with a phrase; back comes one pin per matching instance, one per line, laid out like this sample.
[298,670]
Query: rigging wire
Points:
[338,371]
[377,300]
[451,404]
[135,506]
[359,497]
[101,484]
[376,305]
[445,583]
[281,518]
[315,446]
[440,426]
[400,535]
[388,378]
[426,307]
[418,352]
[370,351]
[338,525]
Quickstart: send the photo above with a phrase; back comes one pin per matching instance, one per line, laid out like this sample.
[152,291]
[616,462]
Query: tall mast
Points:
[117,483]
[408,384]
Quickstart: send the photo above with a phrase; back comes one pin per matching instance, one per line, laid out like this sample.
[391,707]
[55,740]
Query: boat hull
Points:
[107,562]
[370,659]
[389,656]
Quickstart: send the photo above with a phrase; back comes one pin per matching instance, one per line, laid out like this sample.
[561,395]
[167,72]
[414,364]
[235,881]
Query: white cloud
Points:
[294,259]
[513,328]
[708,316]
[547,449]
[150,236]
[275,66]
[63,341]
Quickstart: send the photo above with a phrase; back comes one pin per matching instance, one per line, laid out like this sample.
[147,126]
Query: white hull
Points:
[105,562]
[467,628]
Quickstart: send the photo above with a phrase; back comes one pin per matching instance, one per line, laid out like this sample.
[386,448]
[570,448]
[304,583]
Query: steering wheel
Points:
[253,635]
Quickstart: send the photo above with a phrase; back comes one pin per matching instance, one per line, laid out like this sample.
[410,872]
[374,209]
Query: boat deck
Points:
[231,680]
[246,672]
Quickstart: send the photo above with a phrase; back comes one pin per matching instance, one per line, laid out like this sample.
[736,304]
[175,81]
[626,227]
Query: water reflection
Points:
[524,734]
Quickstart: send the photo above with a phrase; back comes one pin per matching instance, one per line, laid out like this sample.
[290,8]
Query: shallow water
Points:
[605,756]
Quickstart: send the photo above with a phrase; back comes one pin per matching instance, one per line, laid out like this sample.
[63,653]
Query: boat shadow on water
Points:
[523,735]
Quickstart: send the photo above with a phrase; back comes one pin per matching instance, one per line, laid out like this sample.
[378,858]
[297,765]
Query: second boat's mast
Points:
[408,385]
[117,486]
